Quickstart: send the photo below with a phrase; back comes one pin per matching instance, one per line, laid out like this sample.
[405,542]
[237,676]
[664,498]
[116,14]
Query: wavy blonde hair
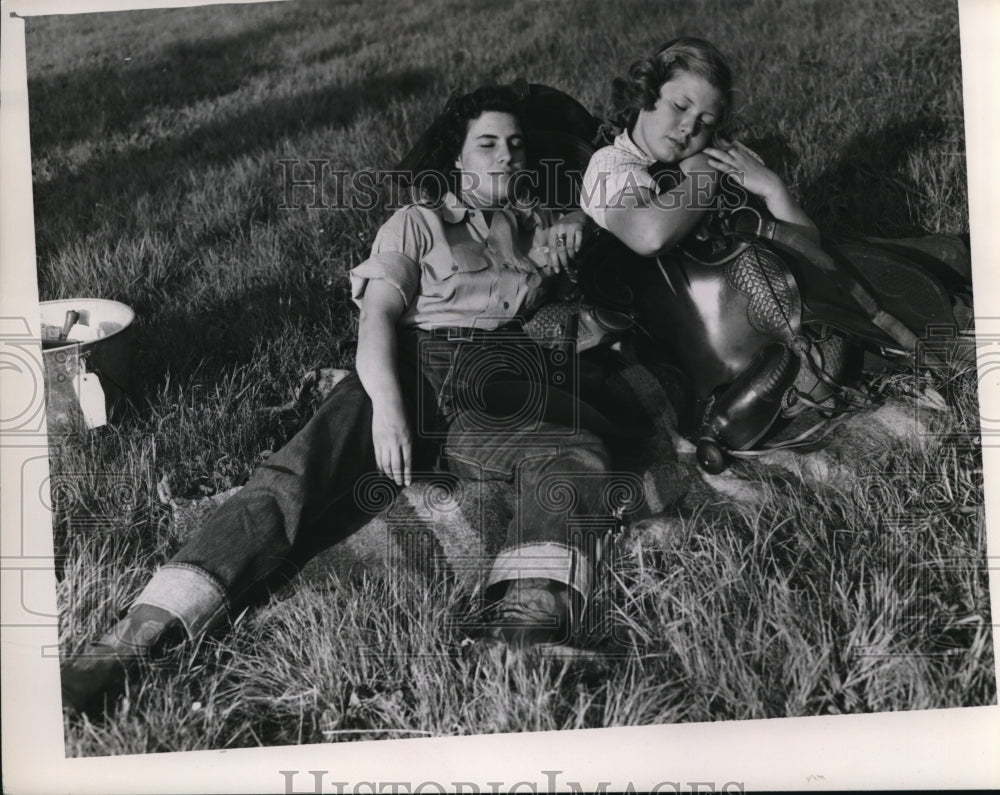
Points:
[640,88]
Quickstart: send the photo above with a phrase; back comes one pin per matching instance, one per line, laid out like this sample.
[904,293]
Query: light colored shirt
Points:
[453,269]
[612,171]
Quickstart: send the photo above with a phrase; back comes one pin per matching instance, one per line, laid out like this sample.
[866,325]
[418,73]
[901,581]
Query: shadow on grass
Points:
[96,102]
[175,341]
[865,191]
[216,337]
[123,177]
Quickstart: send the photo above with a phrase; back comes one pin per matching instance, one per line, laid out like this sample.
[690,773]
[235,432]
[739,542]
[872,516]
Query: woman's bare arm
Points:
[381,308]
[652,224]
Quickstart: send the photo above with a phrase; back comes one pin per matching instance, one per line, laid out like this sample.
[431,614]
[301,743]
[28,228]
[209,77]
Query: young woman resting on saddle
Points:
[742,333]
[440,347]
[674,107]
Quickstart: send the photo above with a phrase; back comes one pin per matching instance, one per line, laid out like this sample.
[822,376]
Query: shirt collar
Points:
[624,141]
[454,211]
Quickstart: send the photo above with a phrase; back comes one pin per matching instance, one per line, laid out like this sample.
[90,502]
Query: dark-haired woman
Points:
[439,345]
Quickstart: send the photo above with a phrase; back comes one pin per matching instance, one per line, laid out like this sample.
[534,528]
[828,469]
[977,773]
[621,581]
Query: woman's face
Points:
[492,153]
[683,120]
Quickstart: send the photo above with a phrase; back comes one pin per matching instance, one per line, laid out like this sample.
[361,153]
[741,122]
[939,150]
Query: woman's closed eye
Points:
[708,121]
[489,142]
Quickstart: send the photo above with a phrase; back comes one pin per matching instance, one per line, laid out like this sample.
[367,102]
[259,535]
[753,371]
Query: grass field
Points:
[155,142]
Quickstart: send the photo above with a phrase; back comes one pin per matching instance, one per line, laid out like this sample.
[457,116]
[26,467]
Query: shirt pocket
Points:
[455,269]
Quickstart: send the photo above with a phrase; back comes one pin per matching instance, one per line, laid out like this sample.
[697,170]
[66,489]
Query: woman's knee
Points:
[499,456]
[586,450]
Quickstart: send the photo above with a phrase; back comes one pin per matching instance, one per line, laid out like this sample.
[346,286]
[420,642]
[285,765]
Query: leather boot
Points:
[94,680]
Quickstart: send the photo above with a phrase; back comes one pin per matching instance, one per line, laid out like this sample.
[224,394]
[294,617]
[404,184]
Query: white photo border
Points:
[923,749]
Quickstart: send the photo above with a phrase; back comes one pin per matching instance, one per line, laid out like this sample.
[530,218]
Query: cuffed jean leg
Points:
[252,534]
[560,477]
[190,594]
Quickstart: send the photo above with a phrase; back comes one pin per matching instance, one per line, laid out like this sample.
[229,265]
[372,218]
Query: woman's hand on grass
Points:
[393,444]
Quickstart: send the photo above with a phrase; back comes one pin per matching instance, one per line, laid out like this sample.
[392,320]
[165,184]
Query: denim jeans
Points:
[495,403]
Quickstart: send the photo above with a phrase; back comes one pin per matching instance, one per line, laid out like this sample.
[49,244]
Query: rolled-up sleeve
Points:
[396,253]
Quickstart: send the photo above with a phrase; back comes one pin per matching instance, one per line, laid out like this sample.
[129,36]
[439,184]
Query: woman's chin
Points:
[672,155]
[498,199]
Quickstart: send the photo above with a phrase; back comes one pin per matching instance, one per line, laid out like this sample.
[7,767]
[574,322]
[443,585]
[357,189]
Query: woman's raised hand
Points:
[759,180]
[565,237]
[746,169]
[393,443]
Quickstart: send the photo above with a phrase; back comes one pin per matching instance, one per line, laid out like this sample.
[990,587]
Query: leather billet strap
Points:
[751,223]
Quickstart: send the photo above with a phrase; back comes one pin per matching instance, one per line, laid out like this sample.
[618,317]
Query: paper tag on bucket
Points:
[91,394]
[80,333]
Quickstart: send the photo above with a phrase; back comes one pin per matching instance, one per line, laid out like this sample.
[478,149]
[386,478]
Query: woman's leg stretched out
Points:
[245,541]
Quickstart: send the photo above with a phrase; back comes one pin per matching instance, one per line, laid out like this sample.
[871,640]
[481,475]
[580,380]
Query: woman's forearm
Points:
[750,172]
[376,365]
[376,355]
[652,224]
[782,205]
[392,439]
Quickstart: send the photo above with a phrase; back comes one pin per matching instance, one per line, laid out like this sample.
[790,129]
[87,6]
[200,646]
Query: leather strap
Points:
[785,236]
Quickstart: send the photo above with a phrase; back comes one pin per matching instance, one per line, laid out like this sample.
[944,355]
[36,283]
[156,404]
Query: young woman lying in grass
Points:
[439,344]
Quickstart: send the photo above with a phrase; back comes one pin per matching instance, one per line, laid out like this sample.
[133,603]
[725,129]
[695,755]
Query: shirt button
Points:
[506,305]
[454,267]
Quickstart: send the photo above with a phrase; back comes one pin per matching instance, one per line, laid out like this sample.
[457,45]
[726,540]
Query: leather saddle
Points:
[767,325]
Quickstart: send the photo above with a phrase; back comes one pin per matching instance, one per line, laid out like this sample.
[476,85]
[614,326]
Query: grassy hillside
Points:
[156,139]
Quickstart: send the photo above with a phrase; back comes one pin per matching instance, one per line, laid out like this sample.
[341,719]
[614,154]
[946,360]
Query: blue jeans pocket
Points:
[475,464]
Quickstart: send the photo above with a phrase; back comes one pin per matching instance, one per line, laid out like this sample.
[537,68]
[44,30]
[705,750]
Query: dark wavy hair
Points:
[430,164]
[640,88]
